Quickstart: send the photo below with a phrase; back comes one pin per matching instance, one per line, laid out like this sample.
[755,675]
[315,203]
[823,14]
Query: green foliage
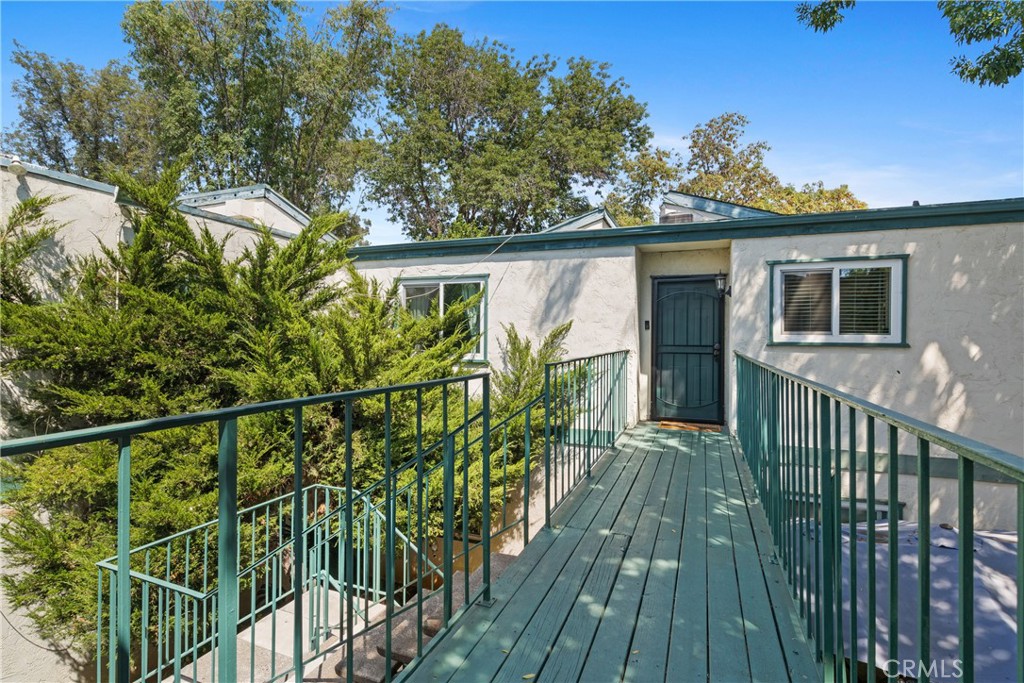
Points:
[24,235]
[999,25]
[475,141]
[721,167]
[251,95]
[165,324]
[645,178]
[82,121]
[521,378]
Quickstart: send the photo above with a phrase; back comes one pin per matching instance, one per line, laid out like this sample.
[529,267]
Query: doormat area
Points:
[690,427]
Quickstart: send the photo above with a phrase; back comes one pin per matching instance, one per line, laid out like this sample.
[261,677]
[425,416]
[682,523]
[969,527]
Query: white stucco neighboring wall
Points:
[258,209]
[93,217]
[668,261]
[536,291]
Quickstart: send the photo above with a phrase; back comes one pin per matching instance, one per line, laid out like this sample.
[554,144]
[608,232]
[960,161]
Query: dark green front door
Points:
[687,350]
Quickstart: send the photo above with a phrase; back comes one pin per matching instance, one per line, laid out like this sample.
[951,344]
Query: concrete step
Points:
[369,666]
[433,602]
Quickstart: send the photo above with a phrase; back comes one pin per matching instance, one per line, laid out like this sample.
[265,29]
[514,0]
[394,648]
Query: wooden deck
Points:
[658,568]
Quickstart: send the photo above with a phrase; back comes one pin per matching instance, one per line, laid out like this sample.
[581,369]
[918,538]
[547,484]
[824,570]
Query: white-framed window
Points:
[424,297]
[839,301]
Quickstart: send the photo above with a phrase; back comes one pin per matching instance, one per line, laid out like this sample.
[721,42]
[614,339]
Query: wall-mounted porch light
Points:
[720,284]
[16,167]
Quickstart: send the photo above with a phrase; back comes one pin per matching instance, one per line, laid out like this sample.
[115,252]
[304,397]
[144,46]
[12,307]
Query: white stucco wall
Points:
[696,259]
[536,291]
[94,218]
[258,209]
[964,368]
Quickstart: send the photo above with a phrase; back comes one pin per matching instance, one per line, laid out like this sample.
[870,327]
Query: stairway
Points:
[369,648]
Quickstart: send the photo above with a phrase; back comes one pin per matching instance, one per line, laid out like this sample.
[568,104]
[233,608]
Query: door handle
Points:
[717,350]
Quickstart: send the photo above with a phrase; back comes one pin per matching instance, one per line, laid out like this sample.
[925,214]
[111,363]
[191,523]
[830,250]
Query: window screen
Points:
[864,300]
[807,301]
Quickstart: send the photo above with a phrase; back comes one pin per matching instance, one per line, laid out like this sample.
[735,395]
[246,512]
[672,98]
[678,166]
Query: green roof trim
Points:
[62,177]
[905,217]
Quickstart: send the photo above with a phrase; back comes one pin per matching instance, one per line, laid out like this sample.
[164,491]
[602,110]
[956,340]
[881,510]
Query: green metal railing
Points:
[341,560]
[814,452]
[585,408]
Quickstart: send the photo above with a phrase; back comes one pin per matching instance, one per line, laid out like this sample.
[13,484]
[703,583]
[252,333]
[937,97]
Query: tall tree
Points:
[80,121]
[475,141]
[644,179]
[995,23]
[250,95]
[242,92]
[720,166]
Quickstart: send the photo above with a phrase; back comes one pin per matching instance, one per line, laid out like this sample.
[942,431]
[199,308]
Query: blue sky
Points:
[873,104]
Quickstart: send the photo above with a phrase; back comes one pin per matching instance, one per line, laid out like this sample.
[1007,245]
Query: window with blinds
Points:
[844,301]
[864,300]
[807,301]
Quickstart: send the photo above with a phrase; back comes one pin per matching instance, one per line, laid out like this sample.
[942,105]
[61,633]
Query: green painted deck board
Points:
[727,652]
[648,653]
[791,629]
[688,640]
[622,466]
[569,653]
[661,572]
[765,656]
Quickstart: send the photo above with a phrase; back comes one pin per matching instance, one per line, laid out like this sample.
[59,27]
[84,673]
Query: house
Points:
[919,309]
[95,212]
[883,303]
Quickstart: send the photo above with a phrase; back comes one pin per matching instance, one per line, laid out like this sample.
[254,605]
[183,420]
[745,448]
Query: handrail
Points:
[191,589]
[990,456]
[74,437]
[794,432]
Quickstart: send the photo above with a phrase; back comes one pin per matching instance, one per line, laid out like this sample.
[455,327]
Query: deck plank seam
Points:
[753,506]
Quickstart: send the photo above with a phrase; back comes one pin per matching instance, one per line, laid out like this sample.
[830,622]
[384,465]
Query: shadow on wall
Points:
[963,369]
[560,302]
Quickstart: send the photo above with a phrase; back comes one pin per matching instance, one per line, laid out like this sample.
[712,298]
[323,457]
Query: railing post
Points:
[227,549]
[828,543]
[350,552]
[124,586]
[547,446]
[448,471]
[298,535]
[526,479]
[389,537]
[589,422]
[965,555]
[486,522]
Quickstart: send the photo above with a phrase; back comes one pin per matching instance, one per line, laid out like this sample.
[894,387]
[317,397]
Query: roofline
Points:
[598,210]
[246,191]
[865,220]
[68,178]
[716,206]
[124,200]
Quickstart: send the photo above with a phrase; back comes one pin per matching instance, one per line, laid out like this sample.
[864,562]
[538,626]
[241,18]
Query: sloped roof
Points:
[715,206]
[260,191]
[584,220]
